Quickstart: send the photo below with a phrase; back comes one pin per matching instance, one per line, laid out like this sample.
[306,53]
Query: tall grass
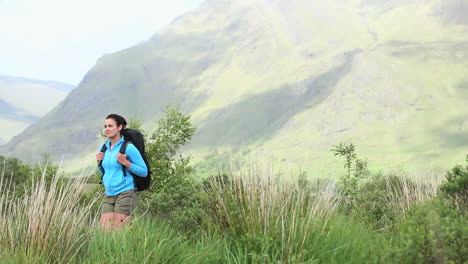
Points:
[404,190]
[273,219]
[47,221]
[149,240]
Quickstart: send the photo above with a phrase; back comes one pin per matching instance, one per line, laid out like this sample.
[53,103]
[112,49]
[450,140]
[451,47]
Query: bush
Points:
[174,195]
[379,200]
[433,232]
[455,188]
[373,205]
[21,177]
[356,171]
[182,206]
[16,173]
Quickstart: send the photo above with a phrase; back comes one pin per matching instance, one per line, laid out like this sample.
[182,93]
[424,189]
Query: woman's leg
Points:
[125,205]
[121,220]
[107,221]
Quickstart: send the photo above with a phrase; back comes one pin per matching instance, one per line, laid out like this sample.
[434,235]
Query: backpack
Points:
[136,138]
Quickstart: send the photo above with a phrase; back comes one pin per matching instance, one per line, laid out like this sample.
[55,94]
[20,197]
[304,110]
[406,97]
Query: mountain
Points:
[23,101]
[287,80]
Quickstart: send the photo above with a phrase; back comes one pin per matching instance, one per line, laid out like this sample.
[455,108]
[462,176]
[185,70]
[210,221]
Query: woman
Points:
[120,198]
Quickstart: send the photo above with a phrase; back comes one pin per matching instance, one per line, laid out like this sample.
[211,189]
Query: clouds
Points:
[62,39]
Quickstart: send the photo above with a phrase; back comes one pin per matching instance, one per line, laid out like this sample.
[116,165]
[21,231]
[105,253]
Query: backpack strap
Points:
[103,150]
[122,150]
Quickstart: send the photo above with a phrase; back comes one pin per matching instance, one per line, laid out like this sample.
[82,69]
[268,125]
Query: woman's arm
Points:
[136,164]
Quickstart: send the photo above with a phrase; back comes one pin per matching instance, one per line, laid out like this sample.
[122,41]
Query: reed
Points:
[404,190]
[260,208]
[48,221]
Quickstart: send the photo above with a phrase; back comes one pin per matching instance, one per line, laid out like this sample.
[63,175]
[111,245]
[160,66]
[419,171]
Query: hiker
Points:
[120,198]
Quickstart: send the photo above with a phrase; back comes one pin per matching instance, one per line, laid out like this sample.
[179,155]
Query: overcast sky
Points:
[61,40]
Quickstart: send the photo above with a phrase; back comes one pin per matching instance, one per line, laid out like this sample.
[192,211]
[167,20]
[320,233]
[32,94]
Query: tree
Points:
[15,174]
[19,177]
[173,131]
[356,169]
[174,194]
[455,186]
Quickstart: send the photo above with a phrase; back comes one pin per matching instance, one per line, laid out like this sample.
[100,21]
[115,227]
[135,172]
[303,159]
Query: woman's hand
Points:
[122,159]
[99,156]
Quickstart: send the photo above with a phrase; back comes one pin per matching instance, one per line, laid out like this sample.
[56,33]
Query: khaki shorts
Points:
[122,203]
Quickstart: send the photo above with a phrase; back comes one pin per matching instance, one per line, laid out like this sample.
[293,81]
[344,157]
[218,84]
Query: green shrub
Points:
[356,171]
[16,173]
[378,200]
[21,177]
[181,205]
[455,187]
[433,232]
[174,195]
[373,205]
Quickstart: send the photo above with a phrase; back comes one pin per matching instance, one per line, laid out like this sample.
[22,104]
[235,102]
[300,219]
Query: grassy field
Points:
[252,216]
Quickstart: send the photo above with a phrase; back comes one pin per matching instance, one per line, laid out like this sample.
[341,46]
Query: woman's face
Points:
[110,128]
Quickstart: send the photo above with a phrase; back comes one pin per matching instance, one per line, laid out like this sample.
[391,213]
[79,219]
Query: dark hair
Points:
[118,119]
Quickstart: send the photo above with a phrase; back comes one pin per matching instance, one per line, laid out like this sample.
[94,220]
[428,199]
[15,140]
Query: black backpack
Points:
[136,138]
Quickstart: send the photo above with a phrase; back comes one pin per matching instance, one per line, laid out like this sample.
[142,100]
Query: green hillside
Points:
[24,101]
[286,79]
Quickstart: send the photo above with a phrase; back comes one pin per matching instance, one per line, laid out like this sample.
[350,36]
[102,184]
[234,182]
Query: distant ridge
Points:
[11,112]
[23,101]
[57,85]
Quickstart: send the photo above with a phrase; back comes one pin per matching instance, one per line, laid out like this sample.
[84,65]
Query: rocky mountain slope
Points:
[286,79]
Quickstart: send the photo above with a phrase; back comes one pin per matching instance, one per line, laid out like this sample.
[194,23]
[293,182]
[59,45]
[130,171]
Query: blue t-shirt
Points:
[114,180]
